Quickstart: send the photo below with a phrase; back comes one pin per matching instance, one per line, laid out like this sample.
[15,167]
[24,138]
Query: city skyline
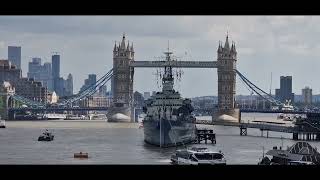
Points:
[265,44]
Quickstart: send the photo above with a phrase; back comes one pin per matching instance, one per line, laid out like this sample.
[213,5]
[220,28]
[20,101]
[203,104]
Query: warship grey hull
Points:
[172,133]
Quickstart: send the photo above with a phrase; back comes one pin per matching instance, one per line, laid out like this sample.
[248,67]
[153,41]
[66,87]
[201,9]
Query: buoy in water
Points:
[81,155]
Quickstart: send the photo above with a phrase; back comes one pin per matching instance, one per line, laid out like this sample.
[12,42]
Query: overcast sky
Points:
[283,45]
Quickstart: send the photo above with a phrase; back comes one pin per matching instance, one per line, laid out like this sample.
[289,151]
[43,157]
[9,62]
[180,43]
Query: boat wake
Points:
[164,161]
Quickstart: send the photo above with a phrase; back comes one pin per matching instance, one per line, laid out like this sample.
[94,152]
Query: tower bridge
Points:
[122,79]
[124,66]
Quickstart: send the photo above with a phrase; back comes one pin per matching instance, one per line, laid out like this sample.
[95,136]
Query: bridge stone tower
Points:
[6,101]
[227,59]
[122,80]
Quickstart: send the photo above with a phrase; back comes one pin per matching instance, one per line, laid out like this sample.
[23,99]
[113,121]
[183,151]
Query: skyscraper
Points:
[56,72]
[46,74]
[40,72]
[55,66]
[34,68]
[92,79]
[103,90]
[285,91]
[14,55]
[307,95]
[69,85]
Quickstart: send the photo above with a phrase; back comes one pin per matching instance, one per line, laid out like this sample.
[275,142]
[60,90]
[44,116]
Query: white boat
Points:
[2,124]
[289,117]
[98,117]
[198,156]
[55,116]
[280,116]
[287,106]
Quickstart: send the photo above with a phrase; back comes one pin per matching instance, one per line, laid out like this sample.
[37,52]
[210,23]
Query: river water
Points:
[122,143]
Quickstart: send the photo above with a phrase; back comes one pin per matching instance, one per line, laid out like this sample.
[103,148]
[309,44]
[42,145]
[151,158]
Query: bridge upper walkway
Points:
[178,64]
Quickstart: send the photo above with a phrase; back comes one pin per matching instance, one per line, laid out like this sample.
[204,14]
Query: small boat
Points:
[198,156]
[287,106]
[98,117]
[280,116]
[288,118]
[141,124]
[81,155]
[2,124]
[300,163]
[46,136]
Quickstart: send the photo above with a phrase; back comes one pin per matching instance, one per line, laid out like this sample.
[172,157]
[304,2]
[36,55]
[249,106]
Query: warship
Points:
[168,121]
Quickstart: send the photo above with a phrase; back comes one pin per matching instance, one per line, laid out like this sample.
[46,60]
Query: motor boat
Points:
[81,155]
[280,116]
[140,124]
[300,163]
[287,117]
[46,136]
[2,124]
[98,117]
[198,156]
[287,106]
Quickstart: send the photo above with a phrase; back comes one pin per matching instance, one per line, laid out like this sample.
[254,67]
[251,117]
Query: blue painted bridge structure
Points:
[13,111]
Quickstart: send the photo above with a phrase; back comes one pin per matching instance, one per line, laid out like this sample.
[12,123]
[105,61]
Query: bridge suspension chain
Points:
[91,89]
[259,91]
[85,93]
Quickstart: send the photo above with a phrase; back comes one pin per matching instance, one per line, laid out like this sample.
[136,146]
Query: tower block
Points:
[227,59]
[122,81]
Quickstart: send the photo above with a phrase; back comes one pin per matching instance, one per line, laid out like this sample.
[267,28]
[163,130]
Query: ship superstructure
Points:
[168,120]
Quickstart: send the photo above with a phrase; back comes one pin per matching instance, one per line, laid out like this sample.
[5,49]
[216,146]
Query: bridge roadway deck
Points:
[59,109]
[276,111]
[262,125]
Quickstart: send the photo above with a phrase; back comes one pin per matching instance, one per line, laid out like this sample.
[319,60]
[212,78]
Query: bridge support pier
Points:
[11,115]
[264,130]
[243,131]
[295,136]
[132,115]
[113,110]
[234,115]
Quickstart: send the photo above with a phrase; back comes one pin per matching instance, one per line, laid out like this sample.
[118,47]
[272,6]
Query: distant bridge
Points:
[210,110]
[276,111]
[59,109]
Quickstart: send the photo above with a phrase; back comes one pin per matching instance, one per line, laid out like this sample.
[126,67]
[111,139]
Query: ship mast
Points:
[167,79]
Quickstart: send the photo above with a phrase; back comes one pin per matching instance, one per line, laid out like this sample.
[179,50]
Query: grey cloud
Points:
[282,45]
